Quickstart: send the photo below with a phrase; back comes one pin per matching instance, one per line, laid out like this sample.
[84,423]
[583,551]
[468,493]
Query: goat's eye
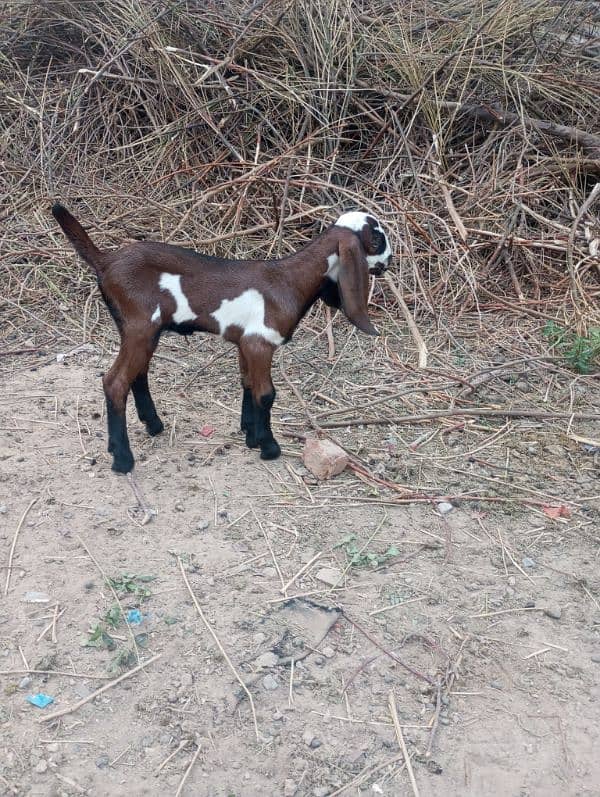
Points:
[378,242]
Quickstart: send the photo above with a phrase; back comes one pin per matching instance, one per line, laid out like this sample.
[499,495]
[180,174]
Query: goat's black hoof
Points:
[123,463]
[155,426]
[270,450]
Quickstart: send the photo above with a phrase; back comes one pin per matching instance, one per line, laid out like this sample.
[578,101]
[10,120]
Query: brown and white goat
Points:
[150,288]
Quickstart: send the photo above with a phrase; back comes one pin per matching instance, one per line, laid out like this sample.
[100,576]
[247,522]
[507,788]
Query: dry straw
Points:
[244,128]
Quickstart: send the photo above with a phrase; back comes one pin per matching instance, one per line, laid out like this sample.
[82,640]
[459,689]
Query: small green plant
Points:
[130,584]
[358,557]
[124,660]
[100,638]
[580,352]
[112,617]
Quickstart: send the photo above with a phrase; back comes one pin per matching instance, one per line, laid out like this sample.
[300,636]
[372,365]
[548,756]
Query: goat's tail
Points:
[84,246]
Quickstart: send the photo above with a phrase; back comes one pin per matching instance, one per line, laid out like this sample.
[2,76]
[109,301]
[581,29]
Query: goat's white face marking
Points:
[355,220]
[183,311]
[246,311]
[156,314]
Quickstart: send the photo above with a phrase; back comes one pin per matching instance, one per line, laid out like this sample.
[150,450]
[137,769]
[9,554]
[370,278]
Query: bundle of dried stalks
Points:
[242,128]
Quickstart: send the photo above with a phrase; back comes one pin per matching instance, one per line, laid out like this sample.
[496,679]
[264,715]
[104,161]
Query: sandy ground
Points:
[482,626]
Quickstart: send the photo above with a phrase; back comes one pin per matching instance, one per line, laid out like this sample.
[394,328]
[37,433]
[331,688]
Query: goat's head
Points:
[363,249]
[373,239]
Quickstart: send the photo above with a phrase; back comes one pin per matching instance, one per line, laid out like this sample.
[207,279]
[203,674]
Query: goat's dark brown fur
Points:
[197,290]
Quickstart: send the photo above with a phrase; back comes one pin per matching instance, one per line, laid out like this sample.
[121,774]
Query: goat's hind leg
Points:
[145,405]
[132,361]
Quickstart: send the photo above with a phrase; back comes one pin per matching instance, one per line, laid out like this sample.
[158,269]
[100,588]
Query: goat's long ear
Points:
[353,282]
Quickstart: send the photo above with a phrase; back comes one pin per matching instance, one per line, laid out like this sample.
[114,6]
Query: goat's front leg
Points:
[247,419]
[132,361]
[258,355]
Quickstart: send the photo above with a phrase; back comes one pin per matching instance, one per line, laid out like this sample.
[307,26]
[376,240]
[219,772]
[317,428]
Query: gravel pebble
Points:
[186,680]
[329,575]
[270,683]
[555,612]
[266,660]
[25,682]
[41,766]
[596,658]
[527,562]
[102,761]
[444,507]
[308,737]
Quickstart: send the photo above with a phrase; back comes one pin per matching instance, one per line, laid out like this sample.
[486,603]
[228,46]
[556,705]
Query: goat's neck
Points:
[306,270]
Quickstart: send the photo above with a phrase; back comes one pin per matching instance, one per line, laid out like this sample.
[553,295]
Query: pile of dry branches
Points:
[240,129]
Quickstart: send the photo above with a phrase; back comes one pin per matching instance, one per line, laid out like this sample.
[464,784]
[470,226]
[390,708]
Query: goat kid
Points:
[150,288]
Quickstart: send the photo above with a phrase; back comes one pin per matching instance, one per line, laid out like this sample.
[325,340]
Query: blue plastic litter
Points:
[134,617]
[40,700]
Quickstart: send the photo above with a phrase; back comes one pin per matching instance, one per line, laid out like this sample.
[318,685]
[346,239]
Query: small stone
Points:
[53,747]
[89,585]
[266,660]
[496,684]
[82,690]
[319,661]
[527,562]
[329,575]
[2,509]
[512,581]
[25,682]
[41,766]
[323,458]
[259,638]
[328,652]
[36,597]
[308,737]
[202,525]
[595,658]
[289,788]
[186,680]
[321,791]
[554,612]
[445,720]
[102,761]
[444,507]
[180,506]
[270,683]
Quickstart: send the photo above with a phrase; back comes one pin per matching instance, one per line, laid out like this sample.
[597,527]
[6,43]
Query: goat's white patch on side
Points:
[333,267]
[246,311]
[183,311]
[156,314]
